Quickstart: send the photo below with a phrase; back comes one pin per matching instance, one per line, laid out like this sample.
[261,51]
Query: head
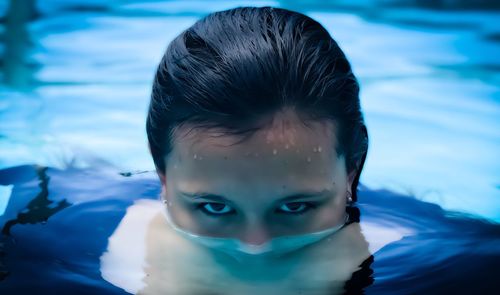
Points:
[255,126]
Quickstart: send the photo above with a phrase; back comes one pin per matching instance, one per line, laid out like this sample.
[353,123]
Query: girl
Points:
[257,135]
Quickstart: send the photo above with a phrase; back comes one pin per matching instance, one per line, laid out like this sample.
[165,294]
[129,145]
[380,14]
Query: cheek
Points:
[182,214]
[177,207]
[334,211]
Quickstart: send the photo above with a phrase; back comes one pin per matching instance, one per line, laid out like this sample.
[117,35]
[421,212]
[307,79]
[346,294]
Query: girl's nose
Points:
[255,234]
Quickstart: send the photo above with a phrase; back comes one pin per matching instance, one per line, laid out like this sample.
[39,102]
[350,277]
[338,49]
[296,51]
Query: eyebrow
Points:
[302,195]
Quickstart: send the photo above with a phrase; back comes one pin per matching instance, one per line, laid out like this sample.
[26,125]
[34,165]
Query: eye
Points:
[213,208]
[296,207]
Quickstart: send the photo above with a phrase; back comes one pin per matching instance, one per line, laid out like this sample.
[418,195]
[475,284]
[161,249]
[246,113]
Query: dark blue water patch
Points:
[495,37]
[57,224]
[58,250]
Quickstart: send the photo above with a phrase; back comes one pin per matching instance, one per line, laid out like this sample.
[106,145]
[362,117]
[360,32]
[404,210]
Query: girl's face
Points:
[285,179]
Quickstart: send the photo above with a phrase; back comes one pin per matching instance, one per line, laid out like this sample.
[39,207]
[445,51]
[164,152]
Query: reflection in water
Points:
[18,71]
[40,208]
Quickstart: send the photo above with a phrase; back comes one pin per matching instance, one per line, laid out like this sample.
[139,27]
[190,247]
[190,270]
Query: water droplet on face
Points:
[319,149]
[195,156]
[275,151]
[308,159]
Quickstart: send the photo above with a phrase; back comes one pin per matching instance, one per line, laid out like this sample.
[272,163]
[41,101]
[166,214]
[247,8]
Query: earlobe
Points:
[349,198]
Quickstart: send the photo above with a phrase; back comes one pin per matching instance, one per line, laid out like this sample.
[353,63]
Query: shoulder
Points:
[127,247]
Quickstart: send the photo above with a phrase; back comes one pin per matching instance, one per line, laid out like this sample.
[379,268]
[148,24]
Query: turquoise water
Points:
[429,91]
[75,169]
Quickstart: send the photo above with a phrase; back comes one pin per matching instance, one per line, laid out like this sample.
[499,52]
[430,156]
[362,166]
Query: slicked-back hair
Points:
[234,67]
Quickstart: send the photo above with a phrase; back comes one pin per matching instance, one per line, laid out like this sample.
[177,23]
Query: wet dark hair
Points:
[234,67]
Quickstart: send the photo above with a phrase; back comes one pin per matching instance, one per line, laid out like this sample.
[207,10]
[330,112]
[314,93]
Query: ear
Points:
[163,180]
[350,179]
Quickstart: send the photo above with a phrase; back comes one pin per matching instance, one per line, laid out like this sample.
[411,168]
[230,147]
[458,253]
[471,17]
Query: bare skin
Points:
[177,266]
[284,180]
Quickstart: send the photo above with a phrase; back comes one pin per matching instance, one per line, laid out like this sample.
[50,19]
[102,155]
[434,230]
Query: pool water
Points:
[74,156]
[429,90]
[64,232]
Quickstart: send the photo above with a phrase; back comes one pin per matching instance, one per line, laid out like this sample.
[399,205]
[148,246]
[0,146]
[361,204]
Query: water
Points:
[429,91]
[60,234]
[76,102]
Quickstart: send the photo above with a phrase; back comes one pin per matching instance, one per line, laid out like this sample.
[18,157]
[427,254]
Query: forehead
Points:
[287,149]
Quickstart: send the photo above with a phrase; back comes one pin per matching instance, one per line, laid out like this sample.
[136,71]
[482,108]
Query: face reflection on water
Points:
[285,179]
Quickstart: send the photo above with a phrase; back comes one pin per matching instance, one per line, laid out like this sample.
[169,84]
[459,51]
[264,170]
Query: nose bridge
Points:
[255,231]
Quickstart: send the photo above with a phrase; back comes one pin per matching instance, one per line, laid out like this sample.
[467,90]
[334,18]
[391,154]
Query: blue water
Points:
[429,92]
[62,222]
[77,104]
